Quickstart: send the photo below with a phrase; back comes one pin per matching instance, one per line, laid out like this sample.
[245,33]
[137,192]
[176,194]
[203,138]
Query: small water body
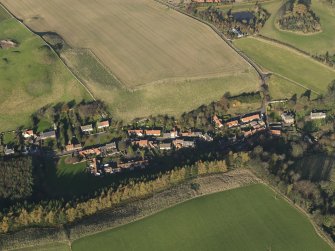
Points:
[243,15]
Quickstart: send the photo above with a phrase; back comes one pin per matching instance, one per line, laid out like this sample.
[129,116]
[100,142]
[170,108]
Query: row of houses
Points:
[97,168]
[165,145]
[249,123]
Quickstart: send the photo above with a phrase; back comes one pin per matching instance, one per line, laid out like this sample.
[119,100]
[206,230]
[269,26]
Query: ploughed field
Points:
[151,59]
[248,218]
[139,41]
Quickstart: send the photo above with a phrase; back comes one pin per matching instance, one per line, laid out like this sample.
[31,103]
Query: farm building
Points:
[288,118]
[217,121]
[165,146]
[28,134]
[318,115]
[250,118]
[73,147]
[138,133]
[87,128]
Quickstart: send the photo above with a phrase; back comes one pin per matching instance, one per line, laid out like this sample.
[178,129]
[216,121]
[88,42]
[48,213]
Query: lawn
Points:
[31,76]
[314,43]
[249,218]
[288,63]
[66,180]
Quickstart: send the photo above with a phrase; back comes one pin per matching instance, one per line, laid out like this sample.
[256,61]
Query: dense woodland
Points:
[16,178]
[247,22]
[298,16]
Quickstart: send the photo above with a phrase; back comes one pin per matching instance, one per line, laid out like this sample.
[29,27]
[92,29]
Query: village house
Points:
[28,134]
[171,135]
[249,118]
[8,151]
[153,132]
[178,143]
[87,128]
[207,137]
[165,146]
[73,147]
[275,132]
[318,115]
[110,146]
[139,133]
[143,143]
[88,152]
[232,123]
[191,134]
[133,164]
[47,135]
[288,118]
[93,167]
[217,121]
[103,124]
[189,143]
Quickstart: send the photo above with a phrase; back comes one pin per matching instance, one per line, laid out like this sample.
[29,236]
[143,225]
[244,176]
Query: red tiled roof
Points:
[232,123]
[103,124]
[250,118]
[152,132]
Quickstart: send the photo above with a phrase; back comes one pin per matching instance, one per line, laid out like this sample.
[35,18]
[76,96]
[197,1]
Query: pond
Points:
[243,15]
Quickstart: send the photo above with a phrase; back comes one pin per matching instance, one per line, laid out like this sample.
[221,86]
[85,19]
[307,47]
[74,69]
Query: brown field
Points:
[140,41]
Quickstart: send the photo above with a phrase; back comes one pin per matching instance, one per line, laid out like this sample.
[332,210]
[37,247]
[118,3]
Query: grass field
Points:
[48,247]
[171,97]
[281,88]
[141,42]
[288,63]
[31,76]
[314,43]
[249,218]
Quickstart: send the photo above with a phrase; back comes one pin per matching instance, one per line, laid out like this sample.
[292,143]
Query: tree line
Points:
[57,212]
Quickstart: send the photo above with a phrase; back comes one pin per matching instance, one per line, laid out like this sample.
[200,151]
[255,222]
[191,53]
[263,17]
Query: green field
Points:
[288,63]
[281,88]
[249,218]
[314,43]
[31,76]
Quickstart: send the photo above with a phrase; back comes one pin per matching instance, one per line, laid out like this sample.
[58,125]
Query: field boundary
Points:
[64,64]
[290,47]
[317,229]
[294,82]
